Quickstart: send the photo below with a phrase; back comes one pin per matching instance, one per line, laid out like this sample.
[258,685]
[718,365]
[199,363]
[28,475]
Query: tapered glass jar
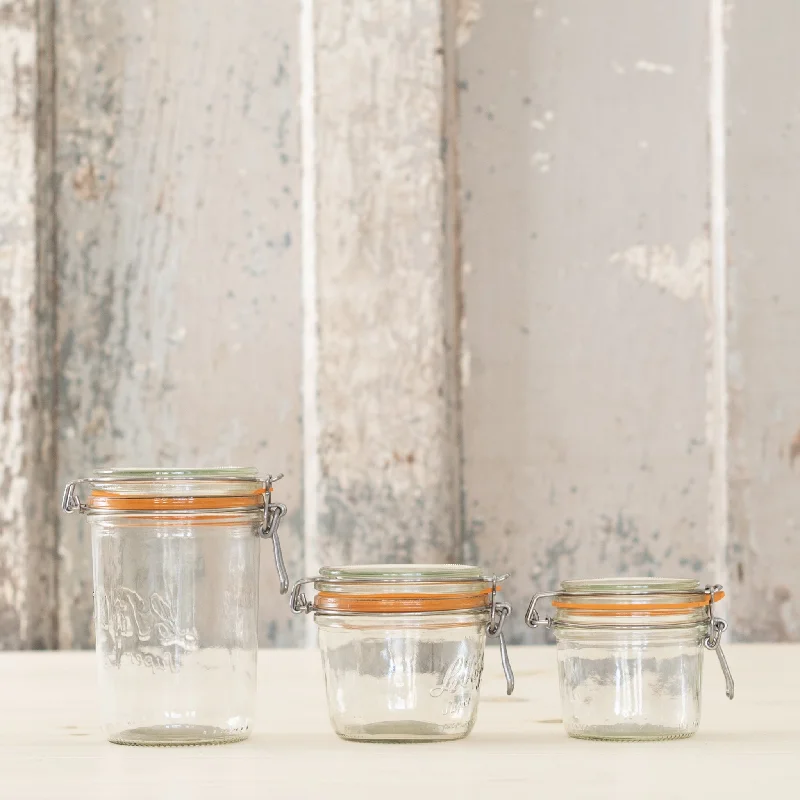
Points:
[402,647]
[630,655]
[176,566]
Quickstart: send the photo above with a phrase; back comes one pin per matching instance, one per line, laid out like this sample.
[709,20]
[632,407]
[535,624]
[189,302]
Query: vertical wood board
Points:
[585,255]
[179,313]
[763,159]
[387,452]
[27,566]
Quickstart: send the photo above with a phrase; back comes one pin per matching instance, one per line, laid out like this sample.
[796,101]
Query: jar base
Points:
[645,733]
[400,732]
[177,735]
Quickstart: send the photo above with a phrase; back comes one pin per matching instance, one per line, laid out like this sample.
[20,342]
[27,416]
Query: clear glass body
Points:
[176,610]
[403,677]
[630,682]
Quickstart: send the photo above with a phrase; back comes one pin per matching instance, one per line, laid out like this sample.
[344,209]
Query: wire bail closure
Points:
[713,641]
[273,514]
[494,629]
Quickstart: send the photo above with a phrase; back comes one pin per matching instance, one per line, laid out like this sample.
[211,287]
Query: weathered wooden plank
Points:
[27,527]
[179,323]
[584,169]
[763,103]
[386,432]
[386,439]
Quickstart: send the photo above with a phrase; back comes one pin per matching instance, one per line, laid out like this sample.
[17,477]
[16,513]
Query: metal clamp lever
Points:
[297,599]
[497,618]
[532,619]
[70,501]
[713,641]
[273,514]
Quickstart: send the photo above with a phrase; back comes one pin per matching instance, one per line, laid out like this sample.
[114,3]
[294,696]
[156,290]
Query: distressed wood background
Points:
[504,282]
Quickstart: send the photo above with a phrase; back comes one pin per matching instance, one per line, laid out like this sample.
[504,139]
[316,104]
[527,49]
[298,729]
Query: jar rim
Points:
[633,585]
[402,572]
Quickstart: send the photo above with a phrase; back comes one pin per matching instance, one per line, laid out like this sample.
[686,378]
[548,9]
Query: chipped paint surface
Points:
[386,465]
[468,14]
[685,277]
[26,565]
[649,66]
[179,314]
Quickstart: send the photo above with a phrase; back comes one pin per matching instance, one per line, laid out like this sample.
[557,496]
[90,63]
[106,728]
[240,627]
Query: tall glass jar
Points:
[402,647]
[630,655]
[176,565]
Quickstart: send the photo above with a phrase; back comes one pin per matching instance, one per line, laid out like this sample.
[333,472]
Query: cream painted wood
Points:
[50,745]
[584,169]
[763,160]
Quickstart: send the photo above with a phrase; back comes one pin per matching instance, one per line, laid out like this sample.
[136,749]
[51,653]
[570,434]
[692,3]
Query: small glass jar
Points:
[402,647]
[176,565]
[630,655]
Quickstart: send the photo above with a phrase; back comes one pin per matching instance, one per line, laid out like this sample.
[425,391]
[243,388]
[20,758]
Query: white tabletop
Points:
[51,746]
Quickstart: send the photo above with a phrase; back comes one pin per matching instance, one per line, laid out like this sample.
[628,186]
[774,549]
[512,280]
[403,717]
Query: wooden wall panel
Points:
[385,444]
[179,269]
[763,176]
[27,527]
[586,267]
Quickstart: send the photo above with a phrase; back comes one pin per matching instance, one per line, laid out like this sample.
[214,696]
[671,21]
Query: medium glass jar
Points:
[402,647]
[176,565]
[630,655]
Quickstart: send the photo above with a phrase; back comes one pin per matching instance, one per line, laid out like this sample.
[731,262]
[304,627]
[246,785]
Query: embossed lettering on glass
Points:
[630,654]
[402,647]
[176,565]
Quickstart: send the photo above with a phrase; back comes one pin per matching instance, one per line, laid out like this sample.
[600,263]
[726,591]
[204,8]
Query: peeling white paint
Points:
[662,266]
[617,67]
[650,66]
[467,15]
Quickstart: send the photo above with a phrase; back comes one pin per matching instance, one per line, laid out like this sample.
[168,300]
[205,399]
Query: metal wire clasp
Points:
[273,514]
[532,619]
[494,629]
[713,640]
[297,600]
[70,501]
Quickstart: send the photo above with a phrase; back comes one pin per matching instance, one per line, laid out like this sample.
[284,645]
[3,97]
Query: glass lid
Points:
[175,482]
[182,473]
[630,585]
[403,572]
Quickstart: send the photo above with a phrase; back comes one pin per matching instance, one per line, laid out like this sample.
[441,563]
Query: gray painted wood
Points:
[179,282]
[386,445]
[27,532]
[585,257]
[763,103]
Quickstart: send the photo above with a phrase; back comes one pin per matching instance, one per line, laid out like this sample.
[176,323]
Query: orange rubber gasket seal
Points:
[402,603]
[105,501]
[635,608]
